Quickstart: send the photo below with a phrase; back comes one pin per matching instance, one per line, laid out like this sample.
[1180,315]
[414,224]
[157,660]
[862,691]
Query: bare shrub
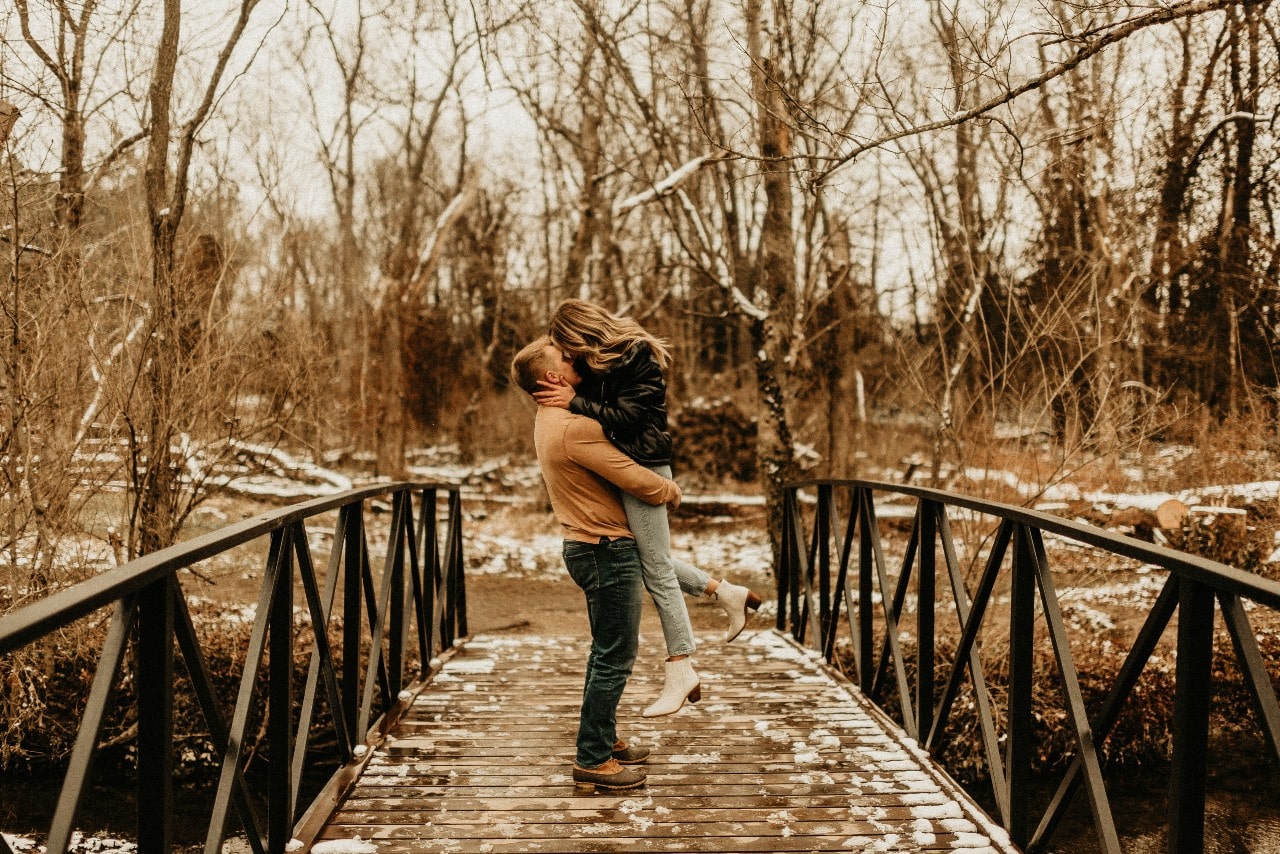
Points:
[1236,449]
[1142,736]
[714,440]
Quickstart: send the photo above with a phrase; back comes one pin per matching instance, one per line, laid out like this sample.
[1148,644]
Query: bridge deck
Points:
[778,756]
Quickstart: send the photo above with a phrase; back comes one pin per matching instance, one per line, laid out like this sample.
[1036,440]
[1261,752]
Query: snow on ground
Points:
[496,546]
[80,844]
[493,551]
[1214,494]
[732,552]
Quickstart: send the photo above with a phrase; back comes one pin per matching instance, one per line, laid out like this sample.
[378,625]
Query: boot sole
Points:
[585,786]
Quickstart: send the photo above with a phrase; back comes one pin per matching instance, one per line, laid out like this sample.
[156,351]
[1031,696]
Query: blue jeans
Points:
[664,576]
[609,575]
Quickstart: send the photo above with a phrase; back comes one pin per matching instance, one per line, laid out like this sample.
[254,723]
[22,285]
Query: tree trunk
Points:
[773,277]
[1237,278]
[589,210]
[155,502]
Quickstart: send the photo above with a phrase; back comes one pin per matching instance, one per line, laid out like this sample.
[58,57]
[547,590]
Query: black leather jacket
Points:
[630,402]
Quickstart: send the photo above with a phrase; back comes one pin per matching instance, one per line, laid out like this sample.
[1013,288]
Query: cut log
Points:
[1132,517]
[1171,514]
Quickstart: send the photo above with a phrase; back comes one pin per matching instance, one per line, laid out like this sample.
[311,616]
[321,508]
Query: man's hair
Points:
[531,364]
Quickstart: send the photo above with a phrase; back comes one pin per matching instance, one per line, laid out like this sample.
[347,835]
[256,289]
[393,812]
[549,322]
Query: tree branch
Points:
[666,185]
[1091,46]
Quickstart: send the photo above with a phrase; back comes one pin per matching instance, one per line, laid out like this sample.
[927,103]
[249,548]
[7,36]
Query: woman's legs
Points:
[665,576]
[692,580]
[734,599]
[662,574]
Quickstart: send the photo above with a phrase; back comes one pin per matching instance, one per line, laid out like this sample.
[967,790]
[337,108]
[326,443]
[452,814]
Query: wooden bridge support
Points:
[1194,687]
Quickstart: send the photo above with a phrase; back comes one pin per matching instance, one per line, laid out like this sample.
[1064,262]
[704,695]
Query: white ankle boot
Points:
[681,684]
[736,601]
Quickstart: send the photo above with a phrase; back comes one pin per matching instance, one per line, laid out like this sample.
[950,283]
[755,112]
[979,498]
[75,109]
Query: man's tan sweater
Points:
[583,472]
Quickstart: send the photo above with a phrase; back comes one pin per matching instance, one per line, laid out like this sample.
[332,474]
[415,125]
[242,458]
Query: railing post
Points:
[154,661]
[925,595]
[280,705]
[419,566]
[1018,750]
[822,532]
[1194,681]
[785,564]
[352,575]
[396,623]
[456,556]
[796,558]
[866,566]
[431,576]
[452,579]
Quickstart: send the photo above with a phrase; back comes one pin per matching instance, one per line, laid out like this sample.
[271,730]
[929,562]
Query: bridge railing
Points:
[420,587]
[833,557]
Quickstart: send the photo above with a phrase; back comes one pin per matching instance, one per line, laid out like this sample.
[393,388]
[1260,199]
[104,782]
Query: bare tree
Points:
[356,62]
[160,499]
[418,204]
[66,46]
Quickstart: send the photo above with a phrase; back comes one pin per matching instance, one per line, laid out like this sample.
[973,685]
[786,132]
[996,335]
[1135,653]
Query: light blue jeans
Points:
[664,576]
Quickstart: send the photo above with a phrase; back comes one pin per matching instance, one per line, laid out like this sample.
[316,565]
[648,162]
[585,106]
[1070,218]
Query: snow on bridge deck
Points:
[780,755]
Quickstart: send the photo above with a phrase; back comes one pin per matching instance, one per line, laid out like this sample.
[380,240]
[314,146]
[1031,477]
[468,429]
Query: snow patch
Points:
[355,845]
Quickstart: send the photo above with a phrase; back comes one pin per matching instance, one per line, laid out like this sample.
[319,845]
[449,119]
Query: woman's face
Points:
[563,365]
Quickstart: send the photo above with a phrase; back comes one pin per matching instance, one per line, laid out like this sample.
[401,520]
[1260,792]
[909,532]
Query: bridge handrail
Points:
[1220,575]
[810,604]
[20,627]
[152,608]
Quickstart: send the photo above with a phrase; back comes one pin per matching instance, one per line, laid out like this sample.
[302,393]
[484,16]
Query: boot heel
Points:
[753,600]
[696,694]
[585,787]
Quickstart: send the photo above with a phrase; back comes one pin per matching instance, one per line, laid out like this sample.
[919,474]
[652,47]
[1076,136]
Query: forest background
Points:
[945,231]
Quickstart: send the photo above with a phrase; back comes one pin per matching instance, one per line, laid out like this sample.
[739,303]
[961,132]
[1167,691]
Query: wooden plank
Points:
[735,845]
[485,813]
[779,756]
[703,790]
[843,782]
[621,829]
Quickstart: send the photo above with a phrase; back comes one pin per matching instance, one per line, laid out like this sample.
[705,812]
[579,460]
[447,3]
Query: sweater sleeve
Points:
[585,444]
[641,389]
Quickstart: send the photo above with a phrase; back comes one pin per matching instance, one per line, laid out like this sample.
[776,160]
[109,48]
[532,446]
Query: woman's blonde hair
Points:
[599,337]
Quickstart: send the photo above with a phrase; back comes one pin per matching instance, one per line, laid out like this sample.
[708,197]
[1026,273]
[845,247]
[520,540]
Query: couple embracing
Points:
[605,454]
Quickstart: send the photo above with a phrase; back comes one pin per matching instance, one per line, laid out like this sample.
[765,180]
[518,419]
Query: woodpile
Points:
[714,440]
[1240,536]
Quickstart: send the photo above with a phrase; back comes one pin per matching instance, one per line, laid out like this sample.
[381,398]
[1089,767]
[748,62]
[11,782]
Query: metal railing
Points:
[810,601]
[419,587]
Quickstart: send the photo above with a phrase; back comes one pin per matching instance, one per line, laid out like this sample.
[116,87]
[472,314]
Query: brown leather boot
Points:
[608,775]
[629,754]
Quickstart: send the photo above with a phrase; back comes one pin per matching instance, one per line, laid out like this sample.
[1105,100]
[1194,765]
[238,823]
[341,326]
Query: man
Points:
[583,471]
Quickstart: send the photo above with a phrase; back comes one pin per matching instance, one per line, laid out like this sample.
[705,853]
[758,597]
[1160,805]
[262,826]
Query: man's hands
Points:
[675,502]
[554,393]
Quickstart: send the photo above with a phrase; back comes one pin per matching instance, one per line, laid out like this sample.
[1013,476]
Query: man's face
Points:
[562,366]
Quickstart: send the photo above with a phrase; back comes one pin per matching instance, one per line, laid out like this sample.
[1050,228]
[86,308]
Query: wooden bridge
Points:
[781,755]
[471,752]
